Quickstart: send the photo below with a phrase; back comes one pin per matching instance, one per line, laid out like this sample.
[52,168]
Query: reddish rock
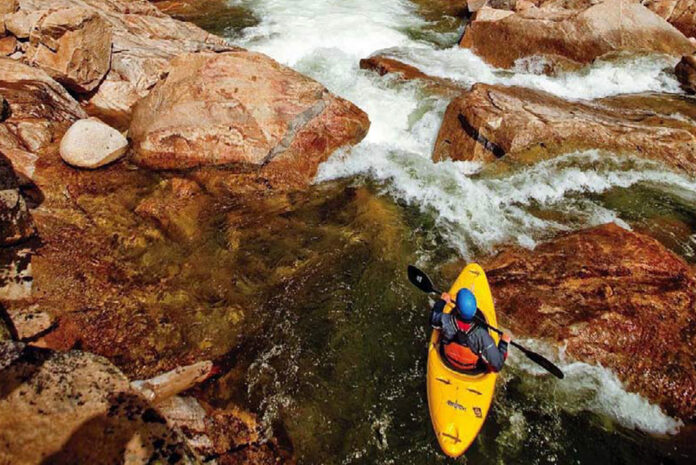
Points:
[73,45]
[384,65]
[523,125]
[571,38]
[680,13]
[8,45]
[613,297]
[244,111]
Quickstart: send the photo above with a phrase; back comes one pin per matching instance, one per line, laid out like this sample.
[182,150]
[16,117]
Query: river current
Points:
[348,387]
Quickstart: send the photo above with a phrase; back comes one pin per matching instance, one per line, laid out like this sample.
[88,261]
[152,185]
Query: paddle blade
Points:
[544,363]
[420,279]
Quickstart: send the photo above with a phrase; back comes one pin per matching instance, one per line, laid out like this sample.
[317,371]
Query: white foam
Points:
[597,389]
[477,213]
[601,79]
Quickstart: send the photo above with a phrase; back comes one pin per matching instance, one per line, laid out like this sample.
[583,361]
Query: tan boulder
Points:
[144,40]
[524,125]
[8,6]
[244,111]
[680,13]
[73,45]
[20,23]
[571,38]
[611,297]
[89,143]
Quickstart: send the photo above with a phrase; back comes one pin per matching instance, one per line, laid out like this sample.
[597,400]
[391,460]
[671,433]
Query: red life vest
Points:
[461,357]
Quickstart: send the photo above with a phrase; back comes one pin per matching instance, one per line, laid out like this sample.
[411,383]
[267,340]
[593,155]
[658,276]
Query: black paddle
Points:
[423,282]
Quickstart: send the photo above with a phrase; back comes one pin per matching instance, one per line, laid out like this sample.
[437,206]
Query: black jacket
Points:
[477,339]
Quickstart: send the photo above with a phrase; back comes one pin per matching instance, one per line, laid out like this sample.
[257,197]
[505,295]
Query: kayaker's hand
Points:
[446,297]
[506,338]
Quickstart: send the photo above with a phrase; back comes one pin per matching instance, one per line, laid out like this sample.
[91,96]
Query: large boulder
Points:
[89,143]
[680,13]
[73,45]
[54,408]
[523,125]
[144,41]
[244,111]
[571,38]
[612,297]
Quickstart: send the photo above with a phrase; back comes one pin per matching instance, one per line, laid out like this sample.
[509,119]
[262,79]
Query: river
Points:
[339,373]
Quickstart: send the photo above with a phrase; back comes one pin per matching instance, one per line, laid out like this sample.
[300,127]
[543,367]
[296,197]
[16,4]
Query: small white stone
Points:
[89,143]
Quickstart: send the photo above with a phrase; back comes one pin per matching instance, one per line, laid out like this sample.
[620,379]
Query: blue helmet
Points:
[466,303]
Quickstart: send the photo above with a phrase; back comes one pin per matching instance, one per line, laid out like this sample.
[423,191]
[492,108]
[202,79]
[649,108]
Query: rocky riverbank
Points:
[131,143]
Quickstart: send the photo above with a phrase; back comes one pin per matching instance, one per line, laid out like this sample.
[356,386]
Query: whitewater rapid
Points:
[326,39]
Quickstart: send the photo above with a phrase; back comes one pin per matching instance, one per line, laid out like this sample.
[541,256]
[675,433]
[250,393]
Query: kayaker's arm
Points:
[492,355]
[438,311]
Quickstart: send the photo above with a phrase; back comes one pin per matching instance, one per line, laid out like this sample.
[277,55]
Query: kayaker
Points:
[466,345]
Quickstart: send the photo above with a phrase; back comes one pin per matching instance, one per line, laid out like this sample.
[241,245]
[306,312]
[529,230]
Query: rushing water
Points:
[340,372]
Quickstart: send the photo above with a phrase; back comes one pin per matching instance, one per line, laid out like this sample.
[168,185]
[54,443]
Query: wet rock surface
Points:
[612,297]
[522,125]
[566,39]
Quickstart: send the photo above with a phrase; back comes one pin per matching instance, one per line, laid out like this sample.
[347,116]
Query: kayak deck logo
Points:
[456,405]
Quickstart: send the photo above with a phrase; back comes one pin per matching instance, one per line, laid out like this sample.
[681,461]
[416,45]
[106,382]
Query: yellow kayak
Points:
[459,402]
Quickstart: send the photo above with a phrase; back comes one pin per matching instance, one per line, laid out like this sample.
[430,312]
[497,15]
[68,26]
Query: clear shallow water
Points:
[346,384]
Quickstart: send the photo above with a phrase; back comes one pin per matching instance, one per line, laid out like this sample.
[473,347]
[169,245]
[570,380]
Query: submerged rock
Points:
[16,223]
[244,111]
[523,125]
[73,45]
[171,383]
[89,143]
[612,297]
[571,38]
[384,65]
